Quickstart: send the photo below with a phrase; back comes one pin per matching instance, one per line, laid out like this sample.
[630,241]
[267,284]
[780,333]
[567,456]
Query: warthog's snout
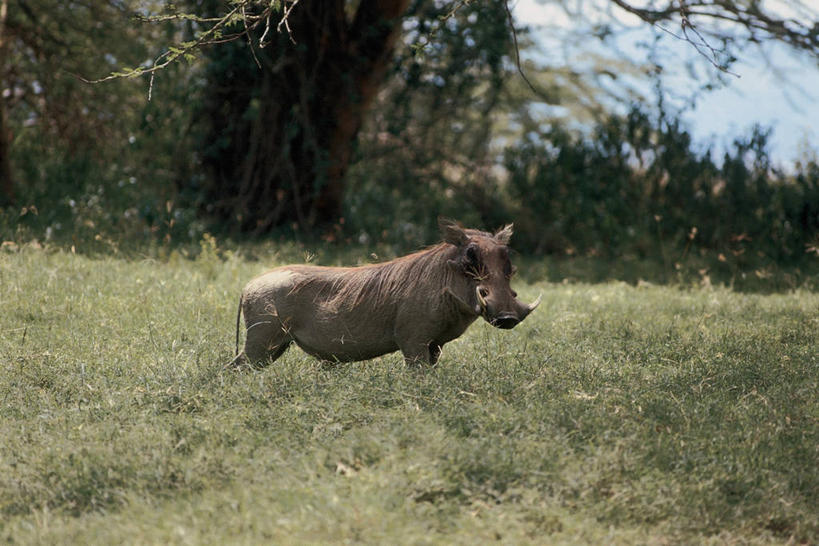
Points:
[505,322]
[501,308]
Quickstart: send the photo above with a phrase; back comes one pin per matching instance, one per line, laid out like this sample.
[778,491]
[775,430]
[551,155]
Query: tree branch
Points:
[175,53]
[210,36]
[517,48]
[799,35]
[284,21]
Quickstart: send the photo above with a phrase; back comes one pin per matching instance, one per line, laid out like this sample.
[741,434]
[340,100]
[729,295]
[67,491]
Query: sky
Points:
[786,99]
[761,96]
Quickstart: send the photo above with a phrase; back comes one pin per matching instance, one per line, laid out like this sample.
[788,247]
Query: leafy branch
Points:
[214,34]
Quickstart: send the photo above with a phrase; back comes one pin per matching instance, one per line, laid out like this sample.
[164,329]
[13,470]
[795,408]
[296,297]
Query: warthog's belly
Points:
[344,348]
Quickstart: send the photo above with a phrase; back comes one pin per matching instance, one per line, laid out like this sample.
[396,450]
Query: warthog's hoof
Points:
[240,361]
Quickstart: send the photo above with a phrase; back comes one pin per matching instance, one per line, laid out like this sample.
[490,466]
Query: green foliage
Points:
[634,187]
[426,150]
[638,186]
[96,163]
[614,414]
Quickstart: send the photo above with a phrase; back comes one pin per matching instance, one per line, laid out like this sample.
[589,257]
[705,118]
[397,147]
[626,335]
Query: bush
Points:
[639,186]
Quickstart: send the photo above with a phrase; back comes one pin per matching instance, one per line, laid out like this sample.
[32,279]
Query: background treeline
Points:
[452,131]
[637,184]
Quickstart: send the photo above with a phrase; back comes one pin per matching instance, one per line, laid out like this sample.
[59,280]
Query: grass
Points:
[615,413]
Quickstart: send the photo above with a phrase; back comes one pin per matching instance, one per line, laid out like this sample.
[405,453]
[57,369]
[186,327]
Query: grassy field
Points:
[615,414]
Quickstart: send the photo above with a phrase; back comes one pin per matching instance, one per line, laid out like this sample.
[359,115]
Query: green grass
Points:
[614,414]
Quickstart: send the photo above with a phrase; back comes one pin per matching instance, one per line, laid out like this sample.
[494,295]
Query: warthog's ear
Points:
[504,234]
[452,232]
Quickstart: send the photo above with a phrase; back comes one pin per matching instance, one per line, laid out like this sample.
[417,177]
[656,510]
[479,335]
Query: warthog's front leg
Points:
[421,353]
[416,341]
[238,361]
[416,354]
[434,352]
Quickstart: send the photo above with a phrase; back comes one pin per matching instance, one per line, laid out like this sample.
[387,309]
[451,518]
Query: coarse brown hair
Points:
[376,283]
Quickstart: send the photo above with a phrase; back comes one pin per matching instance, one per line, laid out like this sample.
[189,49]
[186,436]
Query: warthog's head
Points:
[483,259]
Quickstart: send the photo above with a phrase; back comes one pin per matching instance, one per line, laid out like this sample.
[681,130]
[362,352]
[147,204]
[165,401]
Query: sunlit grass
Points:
[615,413]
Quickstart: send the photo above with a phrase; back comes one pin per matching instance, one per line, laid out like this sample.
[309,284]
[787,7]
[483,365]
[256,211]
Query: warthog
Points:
[414,304]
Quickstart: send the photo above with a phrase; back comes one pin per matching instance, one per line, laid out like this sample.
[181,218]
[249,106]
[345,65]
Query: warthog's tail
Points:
[238,315]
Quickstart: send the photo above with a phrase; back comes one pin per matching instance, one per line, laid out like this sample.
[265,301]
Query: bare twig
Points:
[647,15]
[686,23]
[713,58]
[285,22]
[655,16]
[455,10]
[250,42]
[151,86]
[517,48]
[175,17]
[797,32]
[263,39]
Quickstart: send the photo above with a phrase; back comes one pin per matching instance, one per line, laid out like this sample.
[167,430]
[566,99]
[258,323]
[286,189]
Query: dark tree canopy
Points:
[279,133]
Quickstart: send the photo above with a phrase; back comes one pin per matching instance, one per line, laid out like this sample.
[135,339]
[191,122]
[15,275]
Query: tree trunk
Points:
[6,182]
[280,138]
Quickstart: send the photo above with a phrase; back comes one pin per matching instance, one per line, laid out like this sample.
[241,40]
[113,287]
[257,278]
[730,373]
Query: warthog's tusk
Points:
[481,299]
[535,303]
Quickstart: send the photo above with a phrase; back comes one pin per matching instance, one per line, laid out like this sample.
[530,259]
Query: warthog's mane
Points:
[347,287]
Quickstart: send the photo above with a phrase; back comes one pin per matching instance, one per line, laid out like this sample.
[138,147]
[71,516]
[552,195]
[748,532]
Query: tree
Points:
[283,103]
[283,119]
[429,144]
[6,182]
[280,132]
[44,45]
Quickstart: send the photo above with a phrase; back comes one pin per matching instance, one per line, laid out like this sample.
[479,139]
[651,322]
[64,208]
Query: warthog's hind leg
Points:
[272,354]
[266,341]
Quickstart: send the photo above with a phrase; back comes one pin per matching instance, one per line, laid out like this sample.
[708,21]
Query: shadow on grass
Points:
[747,271]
